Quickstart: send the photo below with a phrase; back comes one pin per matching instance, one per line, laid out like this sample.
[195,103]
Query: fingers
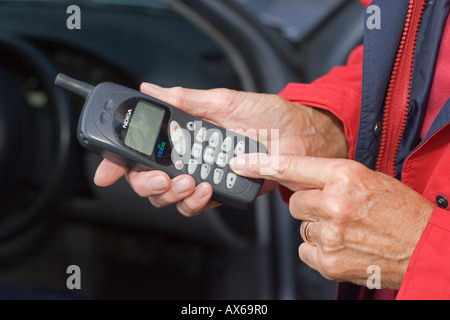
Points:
[310,232]
[149,183]
[162,191]
[198,102]
[309,255]
[286,168]
[308,251]
[305,205]
[159,188]
[107,173]
[197,202]
[305,232]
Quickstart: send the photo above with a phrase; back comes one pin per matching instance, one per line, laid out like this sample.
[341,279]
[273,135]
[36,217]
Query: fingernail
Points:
[201,191]
[158,183]
[98,176]
[182,185]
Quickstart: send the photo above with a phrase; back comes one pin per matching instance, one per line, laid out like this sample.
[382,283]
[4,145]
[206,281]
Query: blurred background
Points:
[52,216]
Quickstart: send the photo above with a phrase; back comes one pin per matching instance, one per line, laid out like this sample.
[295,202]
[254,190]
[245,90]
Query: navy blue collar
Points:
[379,54]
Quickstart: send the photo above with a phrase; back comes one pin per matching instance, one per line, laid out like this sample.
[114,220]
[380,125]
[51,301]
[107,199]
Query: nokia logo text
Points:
[127,119]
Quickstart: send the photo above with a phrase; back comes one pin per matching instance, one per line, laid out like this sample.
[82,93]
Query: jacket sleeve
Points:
[428,272]
[339,92]
[426,171]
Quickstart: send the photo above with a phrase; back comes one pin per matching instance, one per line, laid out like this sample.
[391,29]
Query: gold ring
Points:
[306,233]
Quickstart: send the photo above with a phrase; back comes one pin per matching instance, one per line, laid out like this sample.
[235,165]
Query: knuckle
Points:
[345,170]
[331,238]
[223,92]
[294,209]
[342,170]
[143,190]
[337,202]
[352,173]
[177,95]
[177,91]
[162,200]
[335,208]
[284,163]
[186,209]
[252,166]
[331,267]
[193,206]
[156,201]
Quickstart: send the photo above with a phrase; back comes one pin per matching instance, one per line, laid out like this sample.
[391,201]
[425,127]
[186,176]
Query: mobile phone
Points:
[143,133]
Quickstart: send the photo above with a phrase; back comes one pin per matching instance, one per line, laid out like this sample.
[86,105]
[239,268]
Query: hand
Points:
[302,130]
[361,217]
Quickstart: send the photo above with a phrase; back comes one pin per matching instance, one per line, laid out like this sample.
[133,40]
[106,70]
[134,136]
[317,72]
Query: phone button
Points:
[240,148]
[214,139]
[109,104]
[204,171]
[191,126]
[179,165]
[208,155]
[201,134]
[196,150]
[231,180]
[177,138]
[104,117]
[192,166]
[180,146]
[218,175]
[226,144]
[222,159]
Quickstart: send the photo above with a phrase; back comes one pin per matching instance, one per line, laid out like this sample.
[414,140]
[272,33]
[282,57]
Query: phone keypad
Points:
[209,154]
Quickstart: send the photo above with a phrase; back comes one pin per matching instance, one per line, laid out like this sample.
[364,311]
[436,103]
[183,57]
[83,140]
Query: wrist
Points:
[329,140]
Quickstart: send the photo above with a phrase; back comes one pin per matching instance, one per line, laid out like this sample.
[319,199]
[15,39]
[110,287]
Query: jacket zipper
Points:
[399,91]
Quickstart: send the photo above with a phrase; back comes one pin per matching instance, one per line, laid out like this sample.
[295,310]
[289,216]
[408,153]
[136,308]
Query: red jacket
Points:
[422,164]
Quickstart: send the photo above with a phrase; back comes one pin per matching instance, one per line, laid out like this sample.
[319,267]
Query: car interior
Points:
[52,214]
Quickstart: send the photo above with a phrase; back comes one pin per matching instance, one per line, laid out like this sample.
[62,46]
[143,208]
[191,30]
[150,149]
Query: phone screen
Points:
[144,127]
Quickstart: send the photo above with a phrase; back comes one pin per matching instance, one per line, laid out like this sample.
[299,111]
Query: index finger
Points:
[201,103]
[306,172]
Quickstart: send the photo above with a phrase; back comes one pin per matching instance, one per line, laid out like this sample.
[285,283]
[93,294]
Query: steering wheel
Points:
[31,169]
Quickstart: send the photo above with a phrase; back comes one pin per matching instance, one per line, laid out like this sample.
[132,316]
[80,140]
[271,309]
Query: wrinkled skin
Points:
[302,130]
[361,217]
